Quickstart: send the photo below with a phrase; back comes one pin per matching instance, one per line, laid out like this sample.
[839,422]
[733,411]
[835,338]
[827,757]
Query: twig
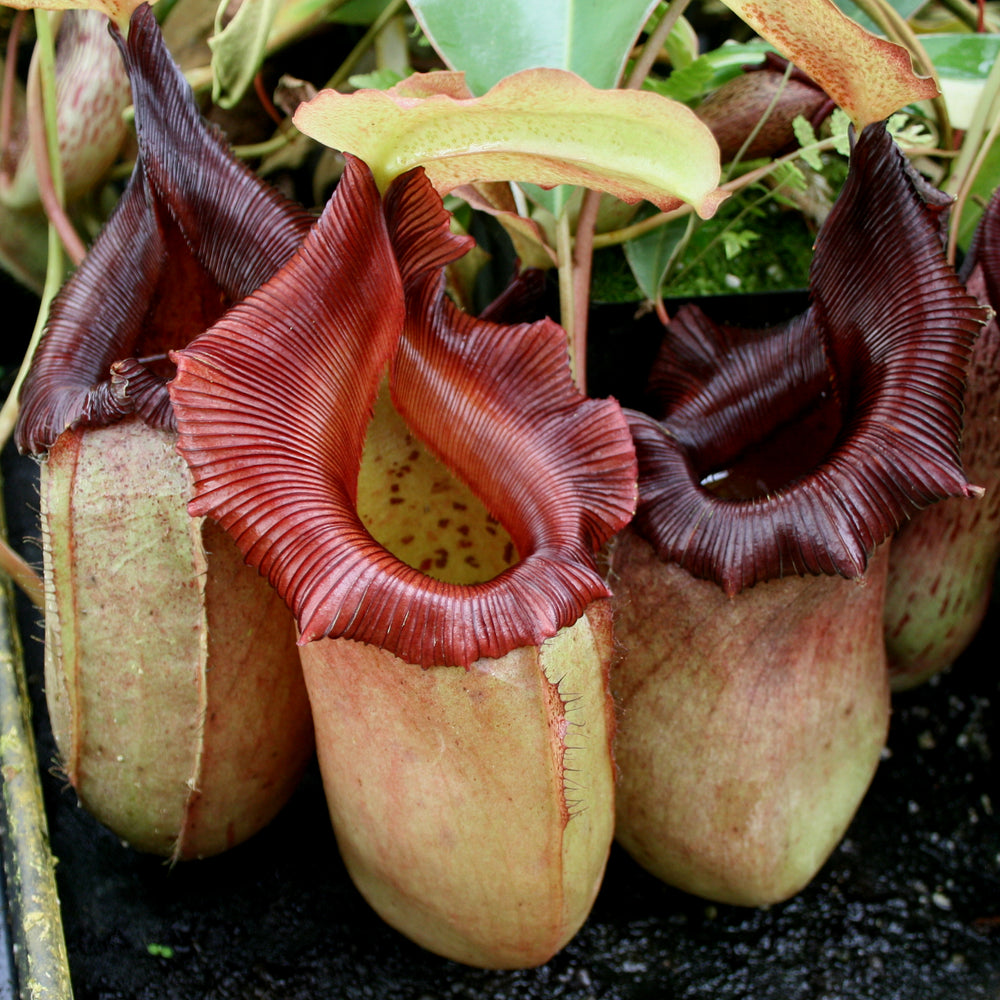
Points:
[972,15]
[651,48]
[365,43]
[567,293]
[43,131]
[53,279]
[7,97]
[979,137]
[965,186]
[619,236]
[761,122]
[22,574]
[583,265]
[576,251]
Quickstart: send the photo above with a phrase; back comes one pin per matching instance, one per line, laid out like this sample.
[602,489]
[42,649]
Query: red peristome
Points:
[273,405]
[943,563]
[860,398]
[195,231]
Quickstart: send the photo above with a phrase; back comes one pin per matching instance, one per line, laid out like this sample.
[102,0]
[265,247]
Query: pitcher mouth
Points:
[799,449]
[275,401]
[194,232]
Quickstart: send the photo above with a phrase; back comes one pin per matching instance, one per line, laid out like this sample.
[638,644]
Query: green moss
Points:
[775,259]
[768,250]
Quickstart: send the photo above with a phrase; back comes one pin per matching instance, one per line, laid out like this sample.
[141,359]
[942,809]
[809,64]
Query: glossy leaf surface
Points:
[238,48]
[962,62]
[543,126]
[589,39]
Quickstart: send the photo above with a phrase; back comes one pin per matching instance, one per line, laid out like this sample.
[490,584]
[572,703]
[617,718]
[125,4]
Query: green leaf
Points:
[709,71]
[490,39]
[962,56]
[735,241]
[379,79]
[681,43]
[238,48]
[805,136]
[544,126]
[905,8]
[359,11]
[650,255]
[789,176]
[963,62]
[869,77]
[687,84]
[840,126]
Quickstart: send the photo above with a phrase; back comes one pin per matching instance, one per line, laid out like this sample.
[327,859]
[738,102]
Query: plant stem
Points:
[43,130]
[651,48]
[583,265]
[969,15]
[690,263]
[7,96]
[965,186]
[576,252]
[365,43]
[619,236]
[43,68]
[979,138]
[294,21]
[22,575]
[53,280]
[761,121]
[567,293]
[260,150]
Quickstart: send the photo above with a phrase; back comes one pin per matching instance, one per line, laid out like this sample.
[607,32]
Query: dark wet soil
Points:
[908,907]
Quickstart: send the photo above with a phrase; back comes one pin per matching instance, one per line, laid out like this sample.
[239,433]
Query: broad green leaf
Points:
[544,126]
[962,56]
[650,255]
[491,39]
[963,61]
[359,11]
[869,77]
[905,8]
[238,48]
[986,182]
